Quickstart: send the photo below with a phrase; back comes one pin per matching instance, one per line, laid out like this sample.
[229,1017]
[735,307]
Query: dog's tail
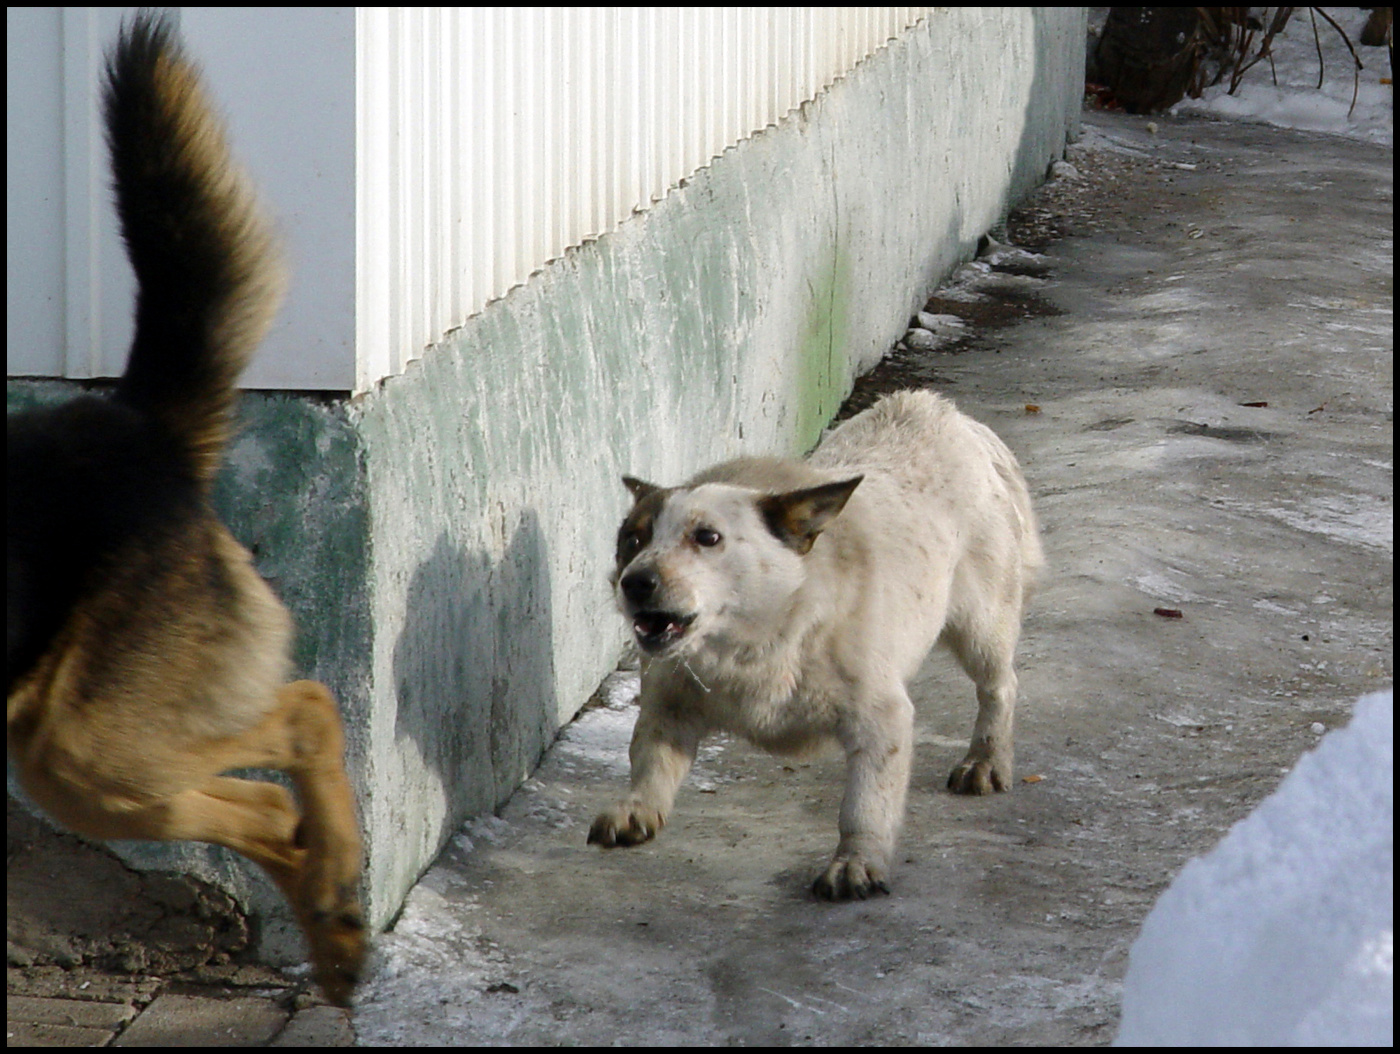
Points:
[208,273]
[1027,525]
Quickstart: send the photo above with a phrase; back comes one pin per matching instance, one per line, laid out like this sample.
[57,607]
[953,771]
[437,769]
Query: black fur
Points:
[87,479]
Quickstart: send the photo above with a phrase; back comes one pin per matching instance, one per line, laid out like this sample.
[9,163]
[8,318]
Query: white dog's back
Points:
[938,456]
[949,515]
[791,602]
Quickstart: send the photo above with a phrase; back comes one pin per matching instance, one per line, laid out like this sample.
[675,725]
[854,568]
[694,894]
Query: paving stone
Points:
[25,1009]
[46,1035]
[200,1021]
[317,1026]
[81,984]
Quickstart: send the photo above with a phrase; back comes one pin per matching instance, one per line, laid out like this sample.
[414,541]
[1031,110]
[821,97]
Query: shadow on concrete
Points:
[1043,104]
[474,669]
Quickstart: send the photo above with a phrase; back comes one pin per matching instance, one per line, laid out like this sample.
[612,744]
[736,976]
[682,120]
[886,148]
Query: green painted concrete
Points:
[444,540]
[823,368]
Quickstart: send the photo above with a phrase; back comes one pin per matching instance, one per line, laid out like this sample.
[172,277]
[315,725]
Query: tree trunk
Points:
[1147,55]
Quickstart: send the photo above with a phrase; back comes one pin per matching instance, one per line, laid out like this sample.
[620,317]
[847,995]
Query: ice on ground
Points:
[1284,934]
[998,256]
[981,279]
[921,339]
[489,829]
[619,689]
[936,323]
[600,736]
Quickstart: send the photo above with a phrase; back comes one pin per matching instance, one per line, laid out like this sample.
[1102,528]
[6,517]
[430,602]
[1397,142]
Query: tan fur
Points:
[793,639]
[259,280]
[155,685]
[167,660]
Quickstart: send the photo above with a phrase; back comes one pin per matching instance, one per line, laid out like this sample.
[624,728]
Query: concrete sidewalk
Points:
[1233,264]
[1193,271]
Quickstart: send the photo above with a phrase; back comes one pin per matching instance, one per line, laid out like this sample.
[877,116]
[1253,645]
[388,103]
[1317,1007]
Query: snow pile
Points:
[933,332]
[1284,933]
[1296,101]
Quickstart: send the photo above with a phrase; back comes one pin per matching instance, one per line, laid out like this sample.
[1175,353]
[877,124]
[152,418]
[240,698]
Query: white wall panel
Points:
[508,135]
[421,162]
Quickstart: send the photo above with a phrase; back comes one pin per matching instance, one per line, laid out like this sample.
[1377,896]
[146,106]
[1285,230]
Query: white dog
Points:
[790,603]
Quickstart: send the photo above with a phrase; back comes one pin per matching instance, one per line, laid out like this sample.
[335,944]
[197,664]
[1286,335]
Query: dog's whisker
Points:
[692,673]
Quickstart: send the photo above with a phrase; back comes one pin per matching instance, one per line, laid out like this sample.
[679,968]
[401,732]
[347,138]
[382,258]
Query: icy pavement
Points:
[1203,404]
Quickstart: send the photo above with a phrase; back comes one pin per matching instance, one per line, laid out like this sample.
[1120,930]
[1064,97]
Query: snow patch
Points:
[1284,934]
[1295,101]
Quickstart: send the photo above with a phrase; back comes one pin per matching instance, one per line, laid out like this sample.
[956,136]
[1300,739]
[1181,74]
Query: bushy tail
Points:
[208,273]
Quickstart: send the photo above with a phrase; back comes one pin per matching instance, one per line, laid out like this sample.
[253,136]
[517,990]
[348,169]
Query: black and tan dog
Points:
[145,655]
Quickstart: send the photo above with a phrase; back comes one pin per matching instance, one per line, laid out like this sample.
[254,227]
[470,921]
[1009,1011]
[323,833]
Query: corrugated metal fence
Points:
[490,140]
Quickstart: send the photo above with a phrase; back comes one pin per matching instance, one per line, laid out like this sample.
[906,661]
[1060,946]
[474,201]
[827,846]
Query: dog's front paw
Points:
[979,773]
[329,908]
[851,878]
[335,930]
[627,823]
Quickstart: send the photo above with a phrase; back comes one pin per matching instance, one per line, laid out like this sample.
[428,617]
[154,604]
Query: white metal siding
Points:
[484,142]
[493,139]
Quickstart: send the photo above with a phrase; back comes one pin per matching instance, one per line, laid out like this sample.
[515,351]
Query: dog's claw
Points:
[624,826]
[338,947]
[338,955]
[978,776]
[328,906]
[602,833]
[850,879]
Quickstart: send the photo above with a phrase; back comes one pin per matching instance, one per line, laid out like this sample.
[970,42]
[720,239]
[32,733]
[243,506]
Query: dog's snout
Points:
[640,586]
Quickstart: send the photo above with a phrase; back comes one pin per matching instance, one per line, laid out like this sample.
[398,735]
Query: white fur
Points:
[938,541]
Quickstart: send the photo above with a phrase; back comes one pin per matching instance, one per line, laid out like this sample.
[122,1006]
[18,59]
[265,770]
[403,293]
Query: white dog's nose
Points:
[640,586]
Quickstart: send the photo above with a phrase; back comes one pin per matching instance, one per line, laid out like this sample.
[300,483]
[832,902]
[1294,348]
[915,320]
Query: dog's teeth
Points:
[655,629]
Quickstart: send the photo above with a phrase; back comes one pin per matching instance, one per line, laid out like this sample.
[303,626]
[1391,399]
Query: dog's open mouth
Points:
[658,630]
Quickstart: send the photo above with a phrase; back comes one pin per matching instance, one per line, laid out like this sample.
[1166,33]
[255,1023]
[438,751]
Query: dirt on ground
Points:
[79,922]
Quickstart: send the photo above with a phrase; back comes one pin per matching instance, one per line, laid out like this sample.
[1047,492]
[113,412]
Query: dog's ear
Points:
[797,517]
[639,488]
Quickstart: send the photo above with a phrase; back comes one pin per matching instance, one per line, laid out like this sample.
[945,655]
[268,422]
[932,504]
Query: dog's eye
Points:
[706,536]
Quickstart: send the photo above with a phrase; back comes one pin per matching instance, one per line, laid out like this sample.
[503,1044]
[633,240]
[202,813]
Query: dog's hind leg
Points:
[254,818]
[171,794]
[987,654]
[879,744]
[303,737]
